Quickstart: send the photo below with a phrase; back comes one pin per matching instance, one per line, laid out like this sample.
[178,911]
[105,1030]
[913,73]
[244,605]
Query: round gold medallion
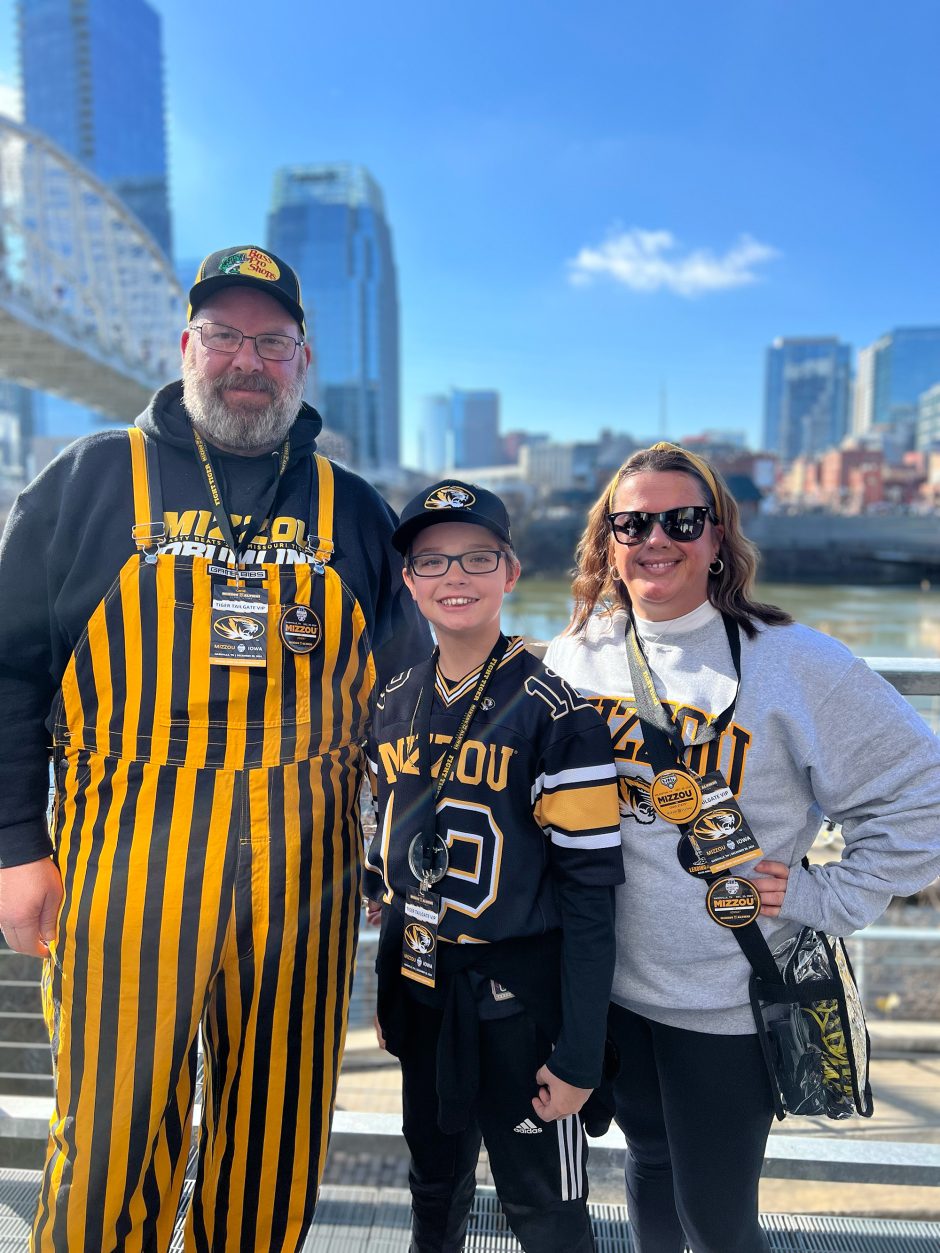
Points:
[733,902]
[676,795]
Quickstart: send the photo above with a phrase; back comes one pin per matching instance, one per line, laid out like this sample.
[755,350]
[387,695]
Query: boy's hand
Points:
[373,913]
[557,1099]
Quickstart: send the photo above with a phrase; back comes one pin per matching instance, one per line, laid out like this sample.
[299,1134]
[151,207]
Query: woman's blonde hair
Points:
[729,590]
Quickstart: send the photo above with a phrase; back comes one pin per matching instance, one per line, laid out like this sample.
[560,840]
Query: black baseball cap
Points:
[247,265]
[451,501]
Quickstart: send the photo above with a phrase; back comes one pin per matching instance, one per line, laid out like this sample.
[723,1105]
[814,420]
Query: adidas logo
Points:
[528,1128]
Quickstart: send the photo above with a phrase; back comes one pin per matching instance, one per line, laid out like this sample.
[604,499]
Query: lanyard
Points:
[223,521]
[652,712]
[432,789]
[666,750]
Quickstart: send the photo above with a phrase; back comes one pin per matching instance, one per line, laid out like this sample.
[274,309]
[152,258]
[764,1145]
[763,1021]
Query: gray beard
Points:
[247,430]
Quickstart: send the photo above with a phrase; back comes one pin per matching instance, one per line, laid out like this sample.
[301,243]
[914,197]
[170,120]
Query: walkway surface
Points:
[906,1084]
[364,1201]
[375,1220]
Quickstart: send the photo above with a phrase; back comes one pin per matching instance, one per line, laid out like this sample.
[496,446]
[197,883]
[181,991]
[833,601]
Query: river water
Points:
[872,621]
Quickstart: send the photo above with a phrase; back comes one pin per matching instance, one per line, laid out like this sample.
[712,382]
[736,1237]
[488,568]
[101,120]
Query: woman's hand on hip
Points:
[770,879]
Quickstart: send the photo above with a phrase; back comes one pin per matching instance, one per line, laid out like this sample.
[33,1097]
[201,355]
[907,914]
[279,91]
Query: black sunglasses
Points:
[685,524]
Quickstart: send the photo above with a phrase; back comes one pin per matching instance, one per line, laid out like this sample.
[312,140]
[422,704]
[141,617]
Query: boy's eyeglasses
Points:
[685,524]
[480,561]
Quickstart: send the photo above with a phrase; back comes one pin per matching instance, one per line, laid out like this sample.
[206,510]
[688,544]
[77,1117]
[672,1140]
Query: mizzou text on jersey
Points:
[533,787]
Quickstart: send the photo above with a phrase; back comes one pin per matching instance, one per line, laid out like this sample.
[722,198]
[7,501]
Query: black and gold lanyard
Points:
[653,713]
[238,547]
[715,835]
[427,855]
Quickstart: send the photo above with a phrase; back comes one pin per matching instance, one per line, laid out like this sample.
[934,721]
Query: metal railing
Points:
[25,1060]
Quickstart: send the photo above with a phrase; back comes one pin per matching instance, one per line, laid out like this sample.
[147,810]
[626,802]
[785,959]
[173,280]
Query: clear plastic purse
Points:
[812,1029]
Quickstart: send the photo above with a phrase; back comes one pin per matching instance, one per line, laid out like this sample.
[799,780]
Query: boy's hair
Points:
[450,500]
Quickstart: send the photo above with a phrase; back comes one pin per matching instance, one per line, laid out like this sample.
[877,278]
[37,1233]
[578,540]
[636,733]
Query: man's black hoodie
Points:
[69,534]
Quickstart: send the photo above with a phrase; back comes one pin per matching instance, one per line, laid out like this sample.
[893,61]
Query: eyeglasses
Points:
[685,524]
[220,338]
[481,561]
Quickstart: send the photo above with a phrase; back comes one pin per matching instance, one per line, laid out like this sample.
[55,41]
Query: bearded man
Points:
[194,609]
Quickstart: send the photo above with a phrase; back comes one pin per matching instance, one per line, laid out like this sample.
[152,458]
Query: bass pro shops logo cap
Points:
[451,501]
[248,266]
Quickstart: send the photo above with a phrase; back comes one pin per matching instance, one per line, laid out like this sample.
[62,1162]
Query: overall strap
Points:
[320,542]
[149,530]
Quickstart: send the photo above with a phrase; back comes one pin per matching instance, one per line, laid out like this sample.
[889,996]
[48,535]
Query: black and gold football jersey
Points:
[531,800]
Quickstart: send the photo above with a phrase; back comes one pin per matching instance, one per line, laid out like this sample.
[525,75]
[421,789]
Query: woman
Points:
[797,727]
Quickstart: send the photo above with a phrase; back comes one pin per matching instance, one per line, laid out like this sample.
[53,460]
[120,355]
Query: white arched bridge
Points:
[90,308]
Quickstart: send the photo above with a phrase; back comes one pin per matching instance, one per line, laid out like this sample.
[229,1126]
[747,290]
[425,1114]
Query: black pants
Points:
[696,1112]
[540,1169]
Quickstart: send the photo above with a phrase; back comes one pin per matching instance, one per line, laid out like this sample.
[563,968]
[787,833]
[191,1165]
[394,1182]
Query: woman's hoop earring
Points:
[613,574]
[716,566]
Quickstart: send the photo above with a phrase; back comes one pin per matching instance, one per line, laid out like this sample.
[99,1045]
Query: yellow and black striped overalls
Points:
[207,832]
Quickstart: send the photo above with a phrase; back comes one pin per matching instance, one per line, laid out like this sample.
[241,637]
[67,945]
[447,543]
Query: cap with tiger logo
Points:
[451,500]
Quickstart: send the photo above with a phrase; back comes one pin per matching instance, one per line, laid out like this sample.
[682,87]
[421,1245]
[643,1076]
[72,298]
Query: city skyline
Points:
[589,211]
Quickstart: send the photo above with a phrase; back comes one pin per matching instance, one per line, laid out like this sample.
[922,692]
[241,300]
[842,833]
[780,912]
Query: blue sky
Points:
[592,203]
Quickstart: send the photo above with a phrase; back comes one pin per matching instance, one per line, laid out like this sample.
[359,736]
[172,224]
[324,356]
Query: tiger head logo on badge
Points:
[718,823]
[450,497]
[419,938]
[238,627]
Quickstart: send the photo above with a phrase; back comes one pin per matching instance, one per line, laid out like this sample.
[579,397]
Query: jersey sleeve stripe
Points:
[579,774]
[579,808]
[604,839]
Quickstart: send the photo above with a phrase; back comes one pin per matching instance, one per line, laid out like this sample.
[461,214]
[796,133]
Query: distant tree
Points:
[546,545]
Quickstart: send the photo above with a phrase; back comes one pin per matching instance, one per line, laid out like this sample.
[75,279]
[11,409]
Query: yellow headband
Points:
[702,467]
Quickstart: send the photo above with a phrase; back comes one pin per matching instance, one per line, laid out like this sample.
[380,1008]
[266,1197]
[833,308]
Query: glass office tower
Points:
[460,431]
[906,363]
[92,74]
[329,223]
[807,385]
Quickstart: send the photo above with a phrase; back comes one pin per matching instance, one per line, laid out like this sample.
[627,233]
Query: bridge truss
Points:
[90,308]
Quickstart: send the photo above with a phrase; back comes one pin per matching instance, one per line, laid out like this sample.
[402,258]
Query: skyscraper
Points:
[806,395]
[460,430]
[329,221]
[92,74]
[92,77]
[901,366]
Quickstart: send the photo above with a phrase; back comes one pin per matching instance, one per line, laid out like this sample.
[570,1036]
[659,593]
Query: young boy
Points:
[495,857]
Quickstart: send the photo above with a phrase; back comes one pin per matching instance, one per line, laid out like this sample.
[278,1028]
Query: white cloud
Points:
[653,260]
[10,100]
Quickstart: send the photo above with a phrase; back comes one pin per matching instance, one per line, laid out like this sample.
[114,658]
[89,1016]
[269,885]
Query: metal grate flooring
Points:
[351,1220]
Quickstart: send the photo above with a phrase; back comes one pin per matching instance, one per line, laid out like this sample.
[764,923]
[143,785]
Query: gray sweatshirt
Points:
[815,732]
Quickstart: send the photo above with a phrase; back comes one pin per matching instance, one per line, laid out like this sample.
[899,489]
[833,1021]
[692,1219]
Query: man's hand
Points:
[373,913]
[30,897]
[557,1099]
[770,879]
